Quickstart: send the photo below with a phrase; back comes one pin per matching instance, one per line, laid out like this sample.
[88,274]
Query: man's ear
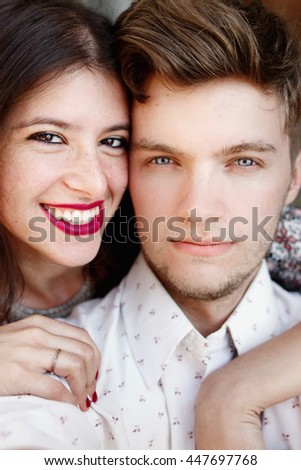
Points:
[295,182]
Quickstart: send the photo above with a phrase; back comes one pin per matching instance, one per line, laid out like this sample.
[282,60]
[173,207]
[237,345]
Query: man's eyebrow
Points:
[256,146]
[152,146]
[44,120]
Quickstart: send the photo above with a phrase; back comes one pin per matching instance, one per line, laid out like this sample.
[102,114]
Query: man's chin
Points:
[204,286]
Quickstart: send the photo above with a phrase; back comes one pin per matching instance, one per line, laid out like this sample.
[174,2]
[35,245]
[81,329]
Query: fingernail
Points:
[96,376]
[88,402]
[94,397]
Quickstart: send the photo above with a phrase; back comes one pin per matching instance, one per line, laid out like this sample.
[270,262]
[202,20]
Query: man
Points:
[213,161]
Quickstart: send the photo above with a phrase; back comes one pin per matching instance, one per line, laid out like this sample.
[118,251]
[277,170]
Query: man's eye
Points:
[115,142]
[47,137]
[162,160]
[245,162]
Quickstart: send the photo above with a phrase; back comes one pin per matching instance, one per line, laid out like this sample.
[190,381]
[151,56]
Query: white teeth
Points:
[67,216]
[57,213]
[75,217]
[86,217]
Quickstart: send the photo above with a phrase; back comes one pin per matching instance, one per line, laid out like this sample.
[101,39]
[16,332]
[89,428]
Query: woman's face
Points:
[64,167]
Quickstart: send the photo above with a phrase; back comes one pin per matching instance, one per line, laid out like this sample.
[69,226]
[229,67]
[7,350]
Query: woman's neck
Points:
[51,286]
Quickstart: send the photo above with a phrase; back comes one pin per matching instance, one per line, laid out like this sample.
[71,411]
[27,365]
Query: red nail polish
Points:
[96,376]
[88,402]
[94,397]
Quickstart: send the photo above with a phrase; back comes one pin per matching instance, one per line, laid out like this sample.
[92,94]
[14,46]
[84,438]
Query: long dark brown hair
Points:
[39,38]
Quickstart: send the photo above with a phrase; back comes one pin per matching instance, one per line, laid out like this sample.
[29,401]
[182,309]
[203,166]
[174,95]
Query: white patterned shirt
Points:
[153,363]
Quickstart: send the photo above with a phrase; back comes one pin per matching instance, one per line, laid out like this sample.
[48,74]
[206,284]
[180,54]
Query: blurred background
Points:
[290,9]
[109,7]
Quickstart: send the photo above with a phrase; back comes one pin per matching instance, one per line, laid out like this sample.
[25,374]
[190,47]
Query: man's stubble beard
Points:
[240,276]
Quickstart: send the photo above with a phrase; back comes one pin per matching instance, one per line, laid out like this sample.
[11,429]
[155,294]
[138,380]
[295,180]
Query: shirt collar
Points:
[153,321]
[155,324]
[255,319]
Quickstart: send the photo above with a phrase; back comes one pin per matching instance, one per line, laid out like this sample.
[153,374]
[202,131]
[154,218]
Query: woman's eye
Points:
[115,142]
[245,162]
[162,160]
[47,137]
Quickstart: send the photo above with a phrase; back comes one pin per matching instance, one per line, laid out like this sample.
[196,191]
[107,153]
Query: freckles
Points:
[120,174]
[120,180]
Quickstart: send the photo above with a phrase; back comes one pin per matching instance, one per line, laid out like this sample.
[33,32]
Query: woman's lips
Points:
[82,207]
[76,219]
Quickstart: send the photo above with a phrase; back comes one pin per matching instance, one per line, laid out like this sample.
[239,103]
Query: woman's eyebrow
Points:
[44,120]
[67,125]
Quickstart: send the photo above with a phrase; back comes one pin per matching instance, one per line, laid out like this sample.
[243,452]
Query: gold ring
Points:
[54,361]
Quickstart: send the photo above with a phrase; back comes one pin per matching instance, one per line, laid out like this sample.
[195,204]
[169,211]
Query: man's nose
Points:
[202,194]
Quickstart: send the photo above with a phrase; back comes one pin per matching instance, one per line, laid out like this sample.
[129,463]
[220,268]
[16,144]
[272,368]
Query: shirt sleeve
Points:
[32,423]
[284,258]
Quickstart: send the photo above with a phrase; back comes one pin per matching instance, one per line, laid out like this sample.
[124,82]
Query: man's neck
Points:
[208,316]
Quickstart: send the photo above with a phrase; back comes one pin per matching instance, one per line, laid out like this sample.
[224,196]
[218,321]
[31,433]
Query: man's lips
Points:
[76,219]
[203,248]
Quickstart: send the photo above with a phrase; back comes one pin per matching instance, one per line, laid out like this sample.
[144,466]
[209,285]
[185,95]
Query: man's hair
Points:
[189,42]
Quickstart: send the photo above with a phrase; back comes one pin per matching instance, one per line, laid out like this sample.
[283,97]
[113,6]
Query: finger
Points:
[25,362]
[76,363]
[88,358]
[73,368]
[62,363]
[45,386]
[79,367]
[21,381]
[82,346]
[36,323]
[91,374]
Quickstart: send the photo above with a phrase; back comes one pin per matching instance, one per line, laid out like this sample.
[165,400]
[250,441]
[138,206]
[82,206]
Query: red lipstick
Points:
[79,230]
[79,207]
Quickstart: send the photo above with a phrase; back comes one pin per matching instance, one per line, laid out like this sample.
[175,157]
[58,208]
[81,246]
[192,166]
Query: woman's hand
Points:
[27,351]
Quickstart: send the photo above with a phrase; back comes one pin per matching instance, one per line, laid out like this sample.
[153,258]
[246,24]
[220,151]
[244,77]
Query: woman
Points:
[65,131]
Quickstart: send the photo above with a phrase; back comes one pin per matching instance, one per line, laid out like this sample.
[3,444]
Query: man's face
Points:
[209,173]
